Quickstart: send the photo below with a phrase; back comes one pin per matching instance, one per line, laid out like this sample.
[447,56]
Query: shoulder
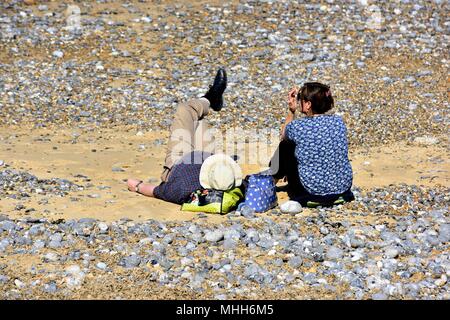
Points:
[332,120]
[336,118]
[299,123]
[293,128]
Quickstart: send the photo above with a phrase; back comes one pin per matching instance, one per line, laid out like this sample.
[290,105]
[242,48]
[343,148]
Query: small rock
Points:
[50,287]
[334,253]
[295,261]
[214,236]
[103,227]
[75,276]
[391,252]
[101,266]
[51,257]
[379,296]
[229,244]
[441,281]
[58,54]
[131,261]
[291,207]
[246,211]
[3,279]
[19,284]
[426,140]
[324,230]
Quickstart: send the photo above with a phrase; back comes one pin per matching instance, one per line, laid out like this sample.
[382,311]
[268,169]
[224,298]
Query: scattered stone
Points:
[103,227]
[379,296]
[391,252]
[334,253]
[58,54]
[291,207]
[131,261]
[75,276]
[19,284]
[214,236]
[101,266]
[51,257]
[295,262]
[426,140]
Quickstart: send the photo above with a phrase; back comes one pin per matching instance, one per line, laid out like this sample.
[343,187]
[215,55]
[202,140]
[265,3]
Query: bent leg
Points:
[182,131]
[204,138]
[285,164]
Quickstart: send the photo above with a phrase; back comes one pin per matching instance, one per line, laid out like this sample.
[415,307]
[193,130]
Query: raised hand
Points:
[292,99]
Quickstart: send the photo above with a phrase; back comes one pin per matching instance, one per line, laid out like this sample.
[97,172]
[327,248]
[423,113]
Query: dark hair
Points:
[318,94]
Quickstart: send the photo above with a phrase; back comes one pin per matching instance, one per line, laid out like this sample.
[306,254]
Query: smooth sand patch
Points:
[47,154]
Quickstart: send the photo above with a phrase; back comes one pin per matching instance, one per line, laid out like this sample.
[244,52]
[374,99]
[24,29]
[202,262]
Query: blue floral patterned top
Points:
[321,149]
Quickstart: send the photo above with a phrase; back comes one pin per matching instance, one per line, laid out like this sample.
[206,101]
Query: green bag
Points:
[214,201]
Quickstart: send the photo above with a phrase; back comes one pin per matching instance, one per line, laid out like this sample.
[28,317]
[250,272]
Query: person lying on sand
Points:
[189,165]
[313,153]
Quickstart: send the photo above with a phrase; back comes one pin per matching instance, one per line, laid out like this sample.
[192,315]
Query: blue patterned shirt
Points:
[321,149]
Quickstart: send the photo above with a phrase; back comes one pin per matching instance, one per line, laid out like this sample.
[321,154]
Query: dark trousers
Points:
[284,165]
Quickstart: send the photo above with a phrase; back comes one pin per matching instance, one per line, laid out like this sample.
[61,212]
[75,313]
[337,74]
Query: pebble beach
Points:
[87,91]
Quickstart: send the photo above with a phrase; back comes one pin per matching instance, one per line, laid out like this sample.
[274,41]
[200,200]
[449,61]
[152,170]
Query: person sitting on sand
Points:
[313,153]
[190,163]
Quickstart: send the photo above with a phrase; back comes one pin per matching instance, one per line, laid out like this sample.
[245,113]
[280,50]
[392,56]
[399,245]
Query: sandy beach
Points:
[87,94]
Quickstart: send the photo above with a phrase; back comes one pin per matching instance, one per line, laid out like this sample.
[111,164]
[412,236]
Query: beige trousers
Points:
[188,132]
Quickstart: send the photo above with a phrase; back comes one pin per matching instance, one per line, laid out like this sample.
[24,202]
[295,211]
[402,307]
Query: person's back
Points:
[321,150]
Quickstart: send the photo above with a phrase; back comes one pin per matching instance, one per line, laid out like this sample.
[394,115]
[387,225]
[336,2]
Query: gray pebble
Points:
[295,261]
[334,253]
[214,235]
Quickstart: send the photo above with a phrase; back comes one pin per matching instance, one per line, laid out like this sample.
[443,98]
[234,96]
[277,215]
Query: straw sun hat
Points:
[220,172]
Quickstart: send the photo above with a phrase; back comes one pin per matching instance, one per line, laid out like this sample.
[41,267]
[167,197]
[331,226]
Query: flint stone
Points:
[214,236]
[19,284]
[391,252]
[334,253]
[295,261]
[7,226]
[50,287]
[58,54]
[130,261]
[103,227]
[232,234]
[379,296]
[444,232]
[39,244]
[3,279]
[247,212]
[291,207]
[426,140]
[75,276]
[251,236]
[51,257]
[229,244]
[101,266]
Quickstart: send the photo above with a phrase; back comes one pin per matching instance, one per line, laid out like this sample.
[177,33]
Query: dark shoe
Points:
[215,92]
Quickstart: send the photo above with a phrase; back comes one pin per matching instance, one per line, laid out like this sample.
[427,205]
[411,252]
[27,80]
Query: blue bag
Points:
[260,194]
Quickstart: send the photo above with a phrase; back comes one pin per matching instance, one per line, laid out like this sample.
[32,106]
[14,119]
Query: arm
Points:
[289,117]
[292,103]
